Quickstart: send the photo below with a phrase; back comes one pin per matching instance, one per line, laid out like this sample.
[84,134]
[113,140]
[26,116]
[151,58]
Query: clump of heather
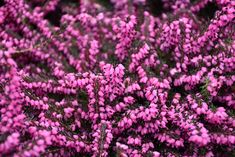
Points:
[127,78]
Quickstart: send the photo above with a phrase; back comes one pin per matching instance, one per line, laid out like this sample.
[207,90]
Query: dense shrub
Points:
[117,78]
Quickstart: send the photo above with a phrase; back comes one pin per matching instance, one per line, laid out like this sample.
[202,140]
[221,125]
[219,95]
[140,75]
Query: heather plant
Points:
[126,78]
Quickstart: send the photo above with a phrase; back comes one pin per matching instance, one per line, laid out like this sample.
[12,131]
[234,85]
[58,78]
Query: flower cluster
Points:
[126,78]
